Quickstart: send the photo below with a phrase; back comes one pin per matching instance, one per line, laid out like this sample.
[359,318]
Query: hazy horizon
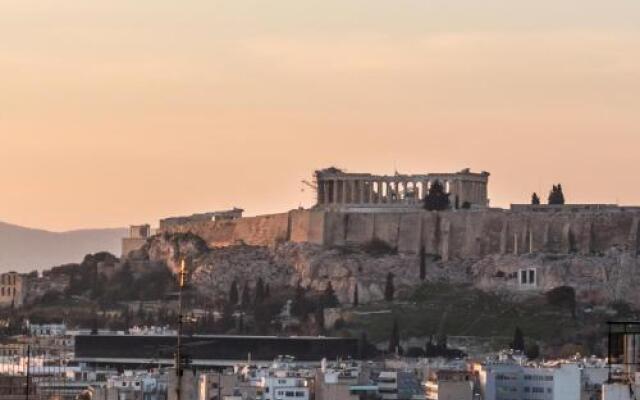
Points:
[117,113]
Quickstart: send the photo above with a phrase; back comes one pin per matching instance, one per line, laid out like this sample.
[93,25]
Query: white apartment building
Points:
[509,381]
[285,387]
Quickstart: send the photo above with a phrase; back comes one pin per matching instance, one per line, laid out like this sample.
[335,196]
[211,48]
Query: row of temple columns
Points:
[355,191]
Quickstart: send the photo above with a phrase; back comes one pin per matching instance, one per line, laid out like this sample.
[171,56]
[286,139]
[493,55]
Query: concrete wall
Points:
[450,234]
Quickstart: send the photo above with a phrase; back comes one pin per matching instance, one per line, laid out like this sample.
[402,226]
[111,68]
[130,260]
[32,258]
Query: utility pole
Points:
[28,368]
[179,363]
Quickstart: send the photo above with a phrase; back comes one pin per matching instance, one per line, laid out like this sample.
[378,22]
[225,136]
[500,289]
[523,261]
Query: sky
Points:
[123,112]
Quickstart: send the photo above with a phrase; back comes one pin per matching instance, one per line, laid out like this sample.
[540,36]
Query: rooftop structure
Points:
[337,189]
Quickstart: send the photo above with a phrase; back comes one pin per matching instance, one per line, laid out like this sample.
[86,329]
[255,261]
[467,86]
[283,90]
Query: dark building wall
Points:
[215,347]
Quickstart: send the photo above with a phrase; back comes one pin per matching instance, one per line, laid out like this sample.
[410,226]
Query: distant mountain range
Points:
[25,249]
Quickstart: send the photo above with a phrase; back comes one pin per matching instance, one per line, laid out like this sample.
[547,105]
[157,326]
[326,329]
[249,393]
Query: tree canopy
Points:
[436,198]
[535,200]
[556,196]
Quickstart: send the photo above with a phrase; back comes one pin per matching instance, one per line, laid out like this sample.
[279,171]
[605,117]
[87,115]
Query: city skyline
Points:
[116,114]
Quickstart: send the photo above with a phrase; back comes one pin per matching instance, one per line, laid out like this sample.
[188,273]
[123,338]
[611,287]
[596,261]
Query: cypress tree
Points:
[556,196]
[394,339]
[259,291]
[535,200]
[389,290]
[329,298]
[356,300]
[246,295]
[518,340]
[423,264]
[233,293]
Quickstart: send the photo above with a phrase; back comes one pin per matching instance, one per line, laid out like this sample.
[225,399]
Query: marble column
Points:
[335,191]
[325,187]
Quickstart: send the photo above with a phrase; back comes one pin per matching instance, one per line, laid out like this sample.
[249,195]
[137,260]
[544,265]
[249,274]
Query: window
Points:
[528,277]
[532,276]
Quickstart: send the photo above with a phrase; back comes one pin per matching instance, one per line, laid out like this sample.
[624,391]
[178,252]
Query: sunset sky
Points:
[121,112]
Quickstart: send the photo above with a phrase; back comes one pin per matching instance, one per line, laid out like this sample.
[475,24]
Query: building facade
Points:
[13,288]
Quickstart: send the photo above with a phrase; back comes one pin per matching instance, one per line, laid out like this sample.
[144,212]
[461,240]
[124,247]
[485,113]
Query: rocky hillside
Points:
[25,249]
[598,280]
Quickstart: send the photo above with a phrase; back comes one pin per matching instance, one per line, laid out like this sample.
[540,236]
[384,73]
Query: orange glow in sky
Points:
[121,112]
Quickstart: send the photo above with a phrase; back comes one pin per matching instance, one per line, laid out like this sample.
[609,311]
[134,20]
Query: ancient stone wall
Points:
[450,234]
[264,230]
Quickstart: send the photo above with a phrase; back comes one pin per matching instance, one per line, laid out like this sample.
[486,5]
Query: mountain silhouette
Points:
[26,249]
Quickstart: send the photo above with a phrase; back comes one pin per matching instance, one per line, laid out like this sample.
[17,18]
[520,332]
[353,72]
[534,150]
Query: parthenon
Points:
[337,189]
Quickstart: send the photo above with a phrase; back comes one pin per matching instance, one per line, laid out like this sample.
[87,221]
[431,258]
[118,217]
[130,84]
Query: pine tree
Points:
[518,340]
[389,290]
[535,200]
[436,199]
[233,293]
[356,300]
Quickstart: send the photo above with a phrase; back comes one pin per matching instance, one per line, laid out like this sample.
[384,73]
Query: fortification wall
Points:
[306,226]
[468,234]
[449,234]
[264,230]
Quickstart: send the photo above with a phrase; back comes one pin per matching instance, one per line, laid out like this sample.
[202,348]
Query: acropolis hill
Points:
[355,208]
[524,249]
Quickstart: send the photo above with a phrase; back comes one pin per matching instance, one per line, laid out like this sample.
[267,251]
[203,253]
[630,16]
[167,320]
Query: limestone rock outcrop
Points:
[598,279]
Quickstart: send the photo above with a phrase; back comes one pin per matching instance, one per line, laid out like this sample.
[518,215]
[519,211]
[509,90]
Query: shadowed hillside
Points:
[25,249]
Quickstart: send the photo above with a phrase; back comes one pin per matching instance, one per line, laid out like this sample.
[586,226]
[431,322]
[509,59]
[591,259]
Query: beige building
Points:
[12,289]
[449,385]
[138,235]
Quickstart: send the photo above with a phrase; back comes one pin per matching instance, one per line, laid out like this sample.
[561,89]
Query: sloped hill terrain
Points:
[25,249]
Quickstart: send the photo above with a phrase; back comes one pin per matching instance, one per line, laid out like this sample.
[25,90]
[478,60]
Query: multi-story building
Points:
[510,381]
[132,386]
[345,381]
[285,386]
[399,385]
[12,289]
[449,385]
